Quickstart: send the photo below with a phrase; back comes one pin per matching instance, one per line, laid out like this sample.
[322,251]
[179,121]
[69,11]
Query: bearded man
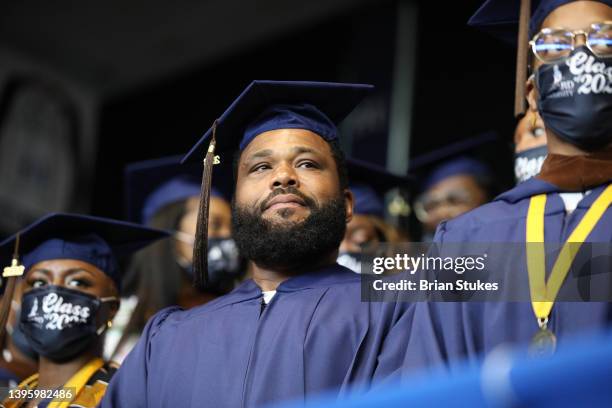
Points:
[298,327]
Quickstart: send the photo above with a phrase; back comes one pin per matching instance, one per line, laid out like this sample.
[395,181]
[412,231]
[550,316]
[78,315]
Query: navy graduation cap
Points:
[153,184]
[500,18]
[261,107]
[269,105]
[369,183]
[101,242]
[451,160]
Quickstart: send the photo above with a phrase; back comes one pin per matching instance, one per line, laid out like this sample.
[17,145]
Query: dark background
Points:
[140,81]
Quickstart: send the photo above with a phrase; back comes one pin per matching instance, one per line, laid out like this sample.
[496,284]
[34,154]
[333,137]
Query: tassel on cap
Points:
[200,247]
[522,57]
[11,273]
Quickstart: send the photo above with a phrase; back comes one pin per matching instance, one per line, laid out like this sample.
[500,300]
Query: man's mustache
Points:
[308,201]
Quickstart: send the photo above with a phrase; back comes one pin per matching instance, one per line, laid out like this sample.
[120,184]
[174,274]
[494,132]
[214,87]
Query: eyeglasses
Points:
[555,44]
[426,204]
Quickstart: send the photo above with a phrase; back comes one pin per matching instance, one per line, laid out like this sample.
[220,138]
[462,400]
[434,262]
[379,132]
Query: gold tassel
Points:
[11,273]
[200,247]
[522,57]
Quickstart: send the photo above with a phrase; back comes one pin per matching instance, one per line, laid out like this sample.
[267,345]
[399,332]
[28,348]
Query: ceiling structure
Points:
[114,46]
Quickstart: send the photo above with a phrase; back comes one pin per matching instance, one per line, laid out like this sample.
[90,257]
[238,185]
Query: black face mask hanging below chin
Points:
[575,99]
[60,323]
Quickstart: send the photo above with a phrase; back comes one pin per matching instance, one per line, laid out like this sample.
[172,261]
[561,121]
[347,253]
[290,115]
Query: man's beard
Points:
[290,244]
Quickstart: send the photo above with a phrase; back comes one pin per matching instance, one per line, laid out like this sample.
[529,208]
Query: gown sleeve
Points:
[128,388]
[437,334]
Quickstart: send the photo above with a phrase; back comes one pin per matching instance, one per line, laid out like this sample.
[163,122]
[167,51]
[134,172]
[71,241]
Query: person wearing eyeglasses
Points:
[553,231]
[452,181]
[452,189]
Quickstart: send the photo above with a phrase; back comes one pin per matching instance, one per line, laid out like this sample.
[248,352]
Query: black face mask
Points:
[225,264]
[575,99]
[527,164]
[60,323]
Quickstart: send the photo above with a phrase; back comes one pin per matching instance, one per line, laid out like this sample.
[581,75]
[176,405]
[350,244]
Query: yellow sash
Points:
[543,294]
[77,382]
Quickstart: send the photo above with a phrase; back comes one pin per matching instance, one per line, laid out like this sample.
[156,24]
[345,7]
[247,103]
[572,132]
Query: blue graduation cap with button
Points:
[369,183]
[269,105]
[151,185]
[101,242]
[264,106]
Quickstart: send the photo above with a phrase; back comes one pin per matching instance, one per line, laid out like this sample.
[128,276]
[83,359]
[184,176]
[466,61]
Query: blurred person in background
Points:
[164,194]
[71,284]
[452,183]
[568,202]
[529,146]
[368,183]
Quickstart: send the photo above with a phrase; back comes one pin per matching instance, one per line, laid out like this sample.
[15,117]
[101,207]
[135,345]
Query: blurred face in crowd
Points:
[448,199]
[360,231]
[577,15]
[219,224]
[529,132]
[289,205]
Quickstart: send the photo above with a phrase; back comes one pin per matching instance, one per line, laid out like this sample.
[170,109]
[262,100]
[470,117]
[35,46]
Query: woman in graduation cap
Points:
[566,207]
[164,194]
[71,284]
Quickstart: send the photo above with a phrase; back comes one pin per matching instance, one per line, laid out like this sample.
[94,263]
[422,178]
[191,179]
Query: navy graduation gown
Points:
[445,333]
[313,336]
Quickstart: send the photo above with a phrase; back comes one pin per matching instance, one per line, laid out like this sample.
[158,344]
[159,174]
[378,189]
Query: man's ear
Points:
[349,200]
[531,94]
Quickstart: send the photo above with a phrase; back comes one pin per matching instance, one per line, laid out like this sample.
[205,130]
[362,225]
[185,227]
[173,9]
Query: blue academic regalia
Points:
[445,333]
[313,336]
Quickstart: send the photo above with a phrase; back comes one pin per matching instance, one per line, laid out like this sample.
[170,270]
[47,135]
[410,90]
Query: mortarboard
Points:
[150,185]
[101,242]
[500,18]
[369,183]
[261,107]
[269,105]
[452,160]
[517,22]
